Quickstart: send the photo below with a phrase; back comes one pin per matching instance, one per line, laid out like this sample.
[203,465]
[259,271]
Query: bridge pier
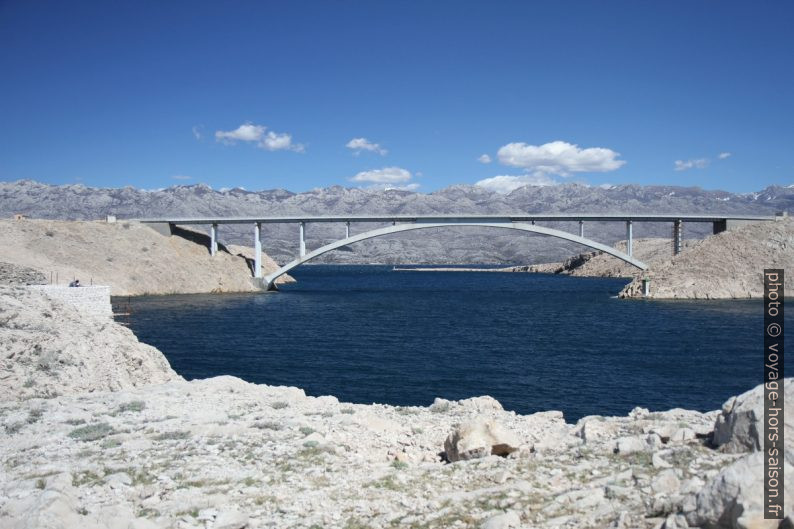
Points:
[678,231]
[347,230]
[213,239]
[302,249]
[581,228]
[257,250]
[628,238]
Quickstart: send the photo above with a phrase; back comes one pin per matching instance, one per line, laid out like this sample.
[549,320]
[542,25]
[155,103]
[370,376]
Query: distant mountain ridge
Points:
[79,202]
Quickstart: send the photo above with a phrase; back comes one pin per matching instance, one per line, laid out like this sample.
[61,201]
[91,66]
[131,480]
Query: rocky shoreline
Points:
[120,448]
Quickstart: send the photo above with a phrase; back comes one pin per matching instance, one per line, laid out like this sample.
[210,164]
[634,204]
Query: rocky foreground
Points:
[224,454]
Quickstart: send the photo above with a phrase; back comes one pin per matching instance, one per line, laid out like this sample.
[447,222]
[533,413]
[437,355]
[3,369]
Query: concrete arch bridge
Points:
[403,223]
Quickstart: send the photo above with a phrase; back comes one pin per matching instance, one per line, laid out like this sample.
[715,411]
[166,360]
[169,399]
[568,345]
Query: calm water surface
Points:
[534,342]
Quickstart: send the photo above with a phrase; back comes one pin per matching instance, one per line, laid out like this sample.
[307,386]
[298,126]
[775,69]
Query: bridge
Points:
[403,223]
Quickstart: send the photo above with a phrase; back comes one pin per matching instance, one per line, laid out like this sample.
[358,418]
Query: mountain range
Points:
[447,246]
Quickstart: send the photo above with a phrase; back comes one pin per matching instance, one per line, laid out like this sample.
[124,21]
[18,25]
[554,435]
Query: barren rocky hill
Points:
[726,265]
[224,454]
[130,257]
[723,266]
[451,246]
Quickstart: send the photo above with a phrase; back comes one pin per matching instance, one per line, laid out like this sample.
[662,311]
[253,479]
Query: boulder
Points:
[682,435]
[733,499]
[740,426]
[637,443]
[593,428]
[480,437]
[666,482]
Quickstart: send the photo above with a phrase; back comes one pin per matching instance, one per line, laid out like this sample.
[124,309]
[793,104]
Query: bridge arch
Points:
[269,280]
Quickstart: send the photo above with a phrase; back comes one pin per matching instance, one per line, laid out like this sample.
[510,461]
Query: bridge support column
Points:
[257,250]
[347,230]
[302,249]
[678,231]
[629,241]
[213,239]
[581,228]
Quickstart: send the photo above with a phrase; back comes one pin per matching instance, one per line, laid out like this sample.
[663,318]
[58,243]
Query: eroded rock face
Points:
[734,498]
[740,428]
[480,437]
[50,348]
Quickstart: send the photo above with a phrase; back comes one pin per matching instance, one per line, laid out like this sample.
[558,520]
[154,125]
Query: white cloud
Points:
[559,158]
[274,141]
[724,155]
[484,158]
[198,131]
[245,132]
[181,177]
[387,175]
[363,144]
[270,141]
[684,165]
[507,183]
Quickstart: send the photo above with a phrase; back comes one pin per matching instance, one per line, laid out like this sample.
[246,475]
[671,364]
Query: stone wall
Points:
[89,299]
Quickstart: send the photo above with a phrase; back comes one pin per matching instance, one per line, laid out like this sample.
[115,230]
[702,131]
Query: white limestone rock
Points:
[51,348]
[637,443]
[739,428]
[480,437]
[734,499]
[666,482]
[594,428]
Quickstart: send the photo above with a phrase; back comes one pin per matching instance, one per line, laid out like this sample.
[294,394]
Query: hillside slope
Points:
[131,258]
[726,265]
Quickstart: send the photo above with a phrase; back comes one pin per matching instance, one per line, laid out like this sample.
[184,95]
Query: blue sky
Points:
[270,94]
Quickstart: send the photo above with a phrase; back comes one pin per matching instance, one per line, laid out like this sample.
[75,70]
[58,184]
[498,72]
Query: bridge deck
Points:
[400,223]
[598,217]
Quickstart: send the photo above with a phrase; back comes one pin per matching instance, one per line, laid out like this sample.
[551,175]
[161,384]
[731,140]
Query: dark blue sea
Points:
[532,341]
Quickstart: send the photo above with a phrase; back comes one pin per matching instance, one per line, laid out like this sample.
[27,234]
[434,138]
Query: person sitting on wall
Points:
[75,283]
